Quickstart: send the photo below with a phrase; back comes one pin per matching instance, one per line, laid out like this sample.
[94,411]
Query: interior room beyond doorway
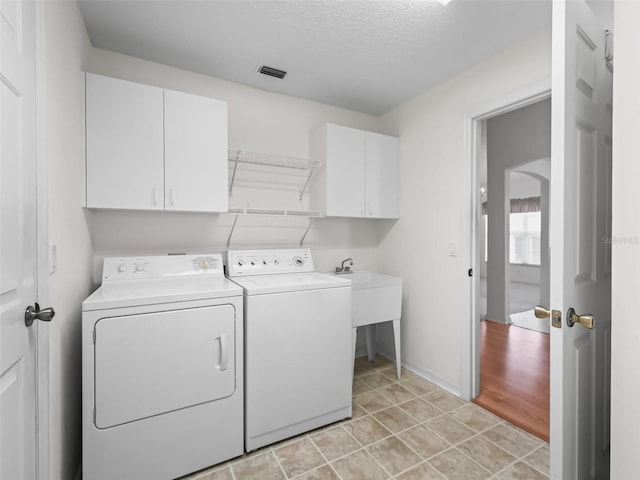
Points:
[512,246]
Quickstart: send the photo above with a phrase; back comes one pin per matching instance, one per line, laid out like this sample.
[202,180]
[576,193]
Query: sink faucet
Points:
[342,268]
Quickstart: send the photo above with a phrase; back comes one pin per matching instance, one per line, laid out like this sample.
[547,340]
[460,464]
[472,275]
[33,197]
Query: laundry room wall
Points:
[435,206]
[259,121]
[67,45]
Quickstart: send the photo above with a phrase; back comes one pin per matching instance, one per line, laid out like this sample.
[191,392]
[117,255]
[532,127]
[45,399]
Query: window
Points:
[524,238]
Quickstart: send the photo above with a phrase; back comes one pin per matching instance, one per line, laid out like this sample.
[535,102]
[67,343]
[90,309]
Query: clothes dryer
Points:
[162,371]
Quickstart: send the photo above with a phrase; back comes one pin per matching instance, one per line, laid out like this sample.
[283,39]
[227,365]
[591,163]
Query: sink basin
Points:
[375,297]
[365,279]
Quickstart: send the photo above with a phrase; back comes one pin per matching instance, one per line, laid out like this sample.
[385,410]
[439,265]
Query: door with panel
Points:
[580,237]
[17,241]
[195,143]
[345,171]
[381,176]
[125,144]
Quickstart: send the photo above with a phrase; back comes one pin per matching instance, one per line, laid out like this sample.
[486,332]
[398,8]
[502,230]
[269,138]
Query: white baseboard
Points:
[427,375]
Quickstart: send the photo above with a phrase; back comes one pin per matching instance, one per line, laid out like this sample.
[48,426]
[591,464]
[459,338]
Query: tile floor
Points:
[406,430]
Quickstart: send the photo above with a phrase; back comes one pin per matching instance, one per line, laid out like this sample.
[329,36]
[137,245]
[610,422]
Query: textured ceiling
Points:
[364,55]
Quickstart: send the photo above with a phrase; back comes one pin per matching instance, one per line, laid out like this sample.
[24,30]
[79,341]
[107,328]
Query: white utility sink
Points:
[375,298]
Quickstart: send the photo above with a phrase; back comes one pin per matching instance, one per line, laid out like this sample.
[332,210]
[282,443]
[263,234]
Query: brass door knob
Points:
[586,320]
[556,315]
[541,312]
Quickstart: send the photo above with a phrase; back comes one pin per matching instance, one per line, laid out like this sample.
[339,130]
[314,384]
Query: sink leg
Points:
[370,331]
[354,334]
[396,339]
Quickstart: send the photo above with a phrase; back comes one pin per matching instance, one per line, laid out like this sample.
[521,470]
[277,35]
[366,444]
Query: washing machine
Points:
[162,368]
[297,344]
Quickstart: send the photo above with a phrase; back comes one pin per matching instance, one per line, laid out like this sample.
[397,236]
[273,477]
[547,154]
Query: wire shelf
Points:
[266,159]
[254,158]
[260,211]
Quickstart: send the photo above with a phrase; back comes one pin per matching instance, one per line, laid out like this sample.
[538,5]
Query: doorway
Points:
[512,183]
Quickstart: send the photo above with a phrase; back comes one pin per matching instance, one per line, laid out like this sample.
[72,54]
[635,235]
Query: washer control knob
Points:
[240,262]
[122,267]
[276,261]
[299,261]
[139,267]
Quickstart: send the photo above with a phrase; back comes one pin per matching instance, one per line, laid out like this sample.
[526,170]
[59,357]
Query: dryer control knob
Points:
[122,267]
[139,267]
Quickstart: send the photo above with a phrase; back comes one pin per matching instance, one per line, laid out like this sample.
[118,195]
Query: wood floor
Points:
[514,376]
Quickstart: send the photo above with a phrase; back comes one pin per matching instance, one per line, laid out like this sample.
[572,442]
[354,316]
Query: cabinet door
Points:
[345,171]
[196,168]
[125,160]
[381,174]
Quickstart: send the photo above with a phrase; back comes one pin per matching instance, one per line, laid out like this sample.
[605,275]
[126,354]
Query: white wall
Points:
[66,46]
[529,274]
[625,329]
[259,121]
[435,204]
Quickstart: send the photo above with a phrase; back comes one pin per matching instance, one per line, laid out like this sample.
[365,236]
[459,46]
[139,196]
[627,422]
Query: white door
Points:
[580,200]
[195,153]
[345,171]
[381,176]
[125,144]
[17,239]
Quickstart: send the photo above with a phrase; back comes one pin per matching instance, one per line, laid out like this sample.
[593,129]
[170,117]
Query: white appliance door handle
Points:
[224,351]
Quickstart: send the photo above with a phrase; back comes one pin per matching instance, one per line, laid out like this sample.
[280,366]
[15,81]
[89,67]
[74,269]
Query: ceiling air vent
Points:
[272,72]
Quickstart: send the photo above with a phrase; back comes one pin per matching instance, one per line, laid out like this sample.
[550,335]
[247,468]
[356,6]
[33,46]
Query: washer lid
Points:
[289,282]
[133,293]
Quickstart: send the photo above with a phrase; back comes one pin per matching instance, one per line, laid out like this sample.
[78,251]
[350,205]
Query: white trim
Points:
[425,374]
[473,131]
[42,249]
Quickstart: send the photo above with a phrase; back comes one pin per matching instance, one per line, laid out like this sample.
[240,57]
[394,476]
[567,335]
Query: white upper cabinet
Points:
[154,149]
[359,173]
[195,142]
[381,176]
[125,149]
[345,171]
